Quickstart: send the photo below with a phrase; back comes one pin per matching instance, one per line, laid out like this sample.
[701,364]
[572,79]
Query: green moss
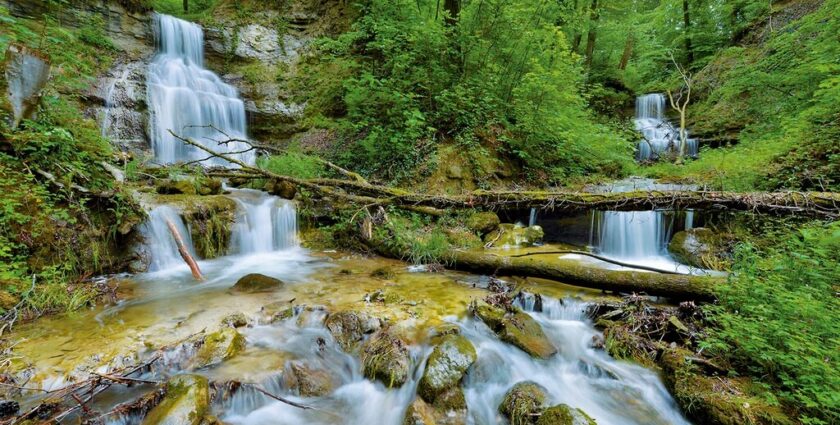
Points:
[562,414]
[446,365]
[186,402]
[255,282]
[517,328]
[522,401]
[385,357]
[218,347]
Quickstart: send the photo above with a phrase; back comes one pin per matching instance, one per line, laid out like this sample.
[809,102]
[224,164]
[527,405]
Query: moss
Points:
[186,402]
[218,347]
[483,222]
[255,282]
[383,273]
[385,358]
[419,413]
[622,343]
[562,414]
[450,400]
[346,327]
[446,365]
[522,401]
[517,328]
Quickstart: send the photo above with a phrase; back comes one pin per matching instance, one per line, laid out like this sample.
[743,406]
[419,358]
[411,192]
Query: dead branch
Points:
[185,253]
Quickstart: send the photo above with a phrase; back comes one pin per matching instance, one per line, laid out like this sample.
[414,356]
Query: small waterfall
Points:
[265,223]
[532,219]
[630,235]
[162,249]
[658,135]
[186,98]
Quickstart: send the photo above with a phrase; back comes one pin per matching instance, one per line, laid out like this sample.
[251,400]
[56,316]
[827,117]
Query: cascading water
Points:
[630,235]
[658,135]
[264,223]
[160,243]
[188,99]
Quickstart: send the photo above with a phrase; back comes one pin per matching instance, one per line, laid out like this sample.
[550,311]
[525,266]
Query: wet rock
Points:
[307,381]
[189,186]
[235,320]
[451,402]
[278,311]
[562,414]
[419,413]
[517,328]
[385,357]
[255,282]
[349,327]
[27,72]
[699,247]
[383,273]
[515,235]
[8,408]
[211,420]
[483,222]
[283,189]
[218,347]
[522,402]
[446,365]
[187,401]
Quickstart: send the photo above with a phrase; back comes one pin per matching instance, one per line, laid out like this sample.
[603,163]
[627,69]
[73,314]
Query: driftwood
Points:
[185,253]
[825,205]
[599,257]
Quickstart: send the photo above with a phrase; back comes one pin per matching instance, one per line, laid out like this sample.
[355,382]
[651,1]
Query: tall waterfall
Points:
[161,246]
[658,135]
[188,99]
[631,235]
[264,223]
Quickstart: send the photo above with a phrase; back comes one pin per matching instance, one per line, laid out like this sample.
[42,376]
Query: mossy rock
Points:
[234,320]
[278,311]
[255,282]
[218,347]
[307,381]
[283,189]
[699,247]
[189,186]
[186,402]
[447,363]
[451,401]
[517,328]
[419,413]
[483,222]
[562,414]
[346,327]
[522,402]
[385,358]
[513,235]
[716,399]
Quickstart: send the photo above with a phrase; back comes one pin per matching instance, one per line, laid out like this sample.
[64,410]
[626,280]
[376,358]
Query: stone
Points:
[517,328]
[419,413]
[447,363]
[8,408]
[186,402]
[203,186]
[514,235]
[281,188]
[235,320]
[27,73]
[385,358]
[483,222]
[563,414]
[125,118]
[255,282]
[522,401]
[218,347]
[698,247]
[346,327]
[307,381]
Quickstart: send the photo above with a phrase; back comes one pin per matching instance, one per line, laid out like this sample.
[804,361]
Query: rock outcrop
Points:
[186,402]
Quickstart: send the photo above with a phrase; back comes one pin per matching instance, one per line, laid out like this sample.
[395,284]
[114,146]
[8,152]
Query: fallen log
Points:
[572,272]
[185,253]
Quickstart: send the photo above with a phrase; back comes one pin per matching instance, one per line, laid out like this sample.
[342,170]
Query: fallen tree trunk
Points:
[682,287]
[185,253]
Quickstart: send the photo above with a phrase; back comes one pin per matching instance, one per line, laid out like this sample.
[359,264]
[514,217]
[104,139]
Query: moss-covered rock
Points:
[255,282]
[483,222]
[522,402]
[235,320]
[189,186]
[419,413]
[209,219]
[446,365]
[699,247]
[218,347]
[385,357]
[306,380]
[349,327]
[562,414]
[283,189]
[517,328]
[515,236]
[186,403]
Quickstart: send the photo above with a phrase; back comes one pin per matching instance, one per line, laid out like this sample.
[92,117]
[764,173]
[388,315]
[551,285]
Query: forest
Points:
[420,212]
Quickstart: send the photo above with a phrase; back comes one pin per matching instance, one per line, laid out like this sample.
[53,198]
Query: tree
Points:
[186,6]
[590,37]
[689,53]
[679,101]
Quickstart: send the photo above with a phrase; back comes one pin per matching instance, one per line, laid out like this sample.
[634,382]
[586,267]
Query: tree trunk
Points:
[628,51]
[186,6]
[454,9]
[689,53]
[185,253]
[590,37]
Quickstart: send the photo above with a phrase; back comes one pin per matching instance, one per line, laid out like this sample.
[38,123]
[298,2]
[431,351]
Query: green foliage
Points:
[778,319]
[293,164]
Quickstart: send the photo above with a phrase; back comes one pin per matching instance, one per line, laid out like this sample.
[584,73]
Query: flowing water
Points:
[190,100]
[658,134]
[264,223]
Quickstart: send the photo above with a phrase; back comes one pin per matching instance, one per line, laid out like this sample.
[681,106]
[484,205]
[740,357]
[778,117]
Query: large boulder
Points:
[514,235]
[419,413]
[483,222]
[255,282]
[349,327]
[522,402]
[516,327]
[218,347]
[562,414]
[306,380]
[699,247]
[385,357]
[445,367]
[186,402]
[281,188]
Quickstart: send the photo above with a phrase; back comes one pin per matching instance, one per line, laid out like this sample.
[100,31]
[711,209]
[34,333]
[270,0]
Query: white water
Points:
[658,134]
[264,223]
[532,218]
[186,98]
[160,244]
[631,235]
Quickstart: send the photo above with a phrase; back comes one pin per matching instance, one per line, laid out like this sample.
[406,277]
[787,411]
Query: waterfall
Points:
[630,235]
[161,246]
[264,223]
[187,98]
[658,135]
[532,220]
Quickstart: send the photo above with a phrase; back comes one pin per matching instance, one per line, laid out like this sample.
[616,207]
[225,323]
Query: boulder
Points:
[446,365]
[514,235]
[419,413]
[483,222]
[8,408]
[203,186]
[27,72]
[522,401]
[281,188]
[255,282]
[235,320]
[307,381]
[385,357]
[562,414]
[349,327]
[186,402]
[698,247]
[517,328]
[218,347]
